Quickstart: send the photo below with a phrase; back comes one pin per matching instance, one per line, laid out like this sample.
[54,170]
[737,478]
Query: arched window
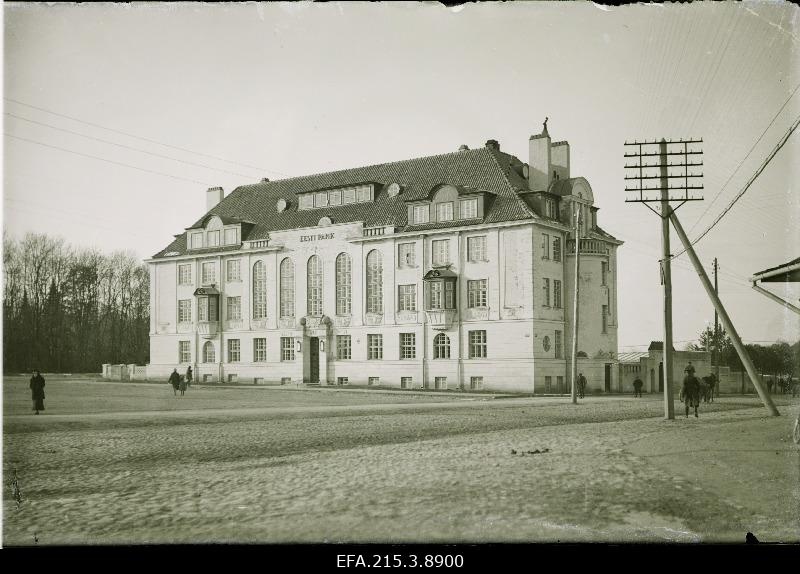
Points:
[314,275]
[209,356]
[259,290]
[287,288]
[374,282]
[441,346]
[343,276]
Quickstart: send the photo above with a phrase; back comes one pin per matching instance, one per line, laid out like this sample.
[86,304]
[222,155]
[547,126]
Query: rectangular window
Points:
[436,295]
[545,246]
[197,240]
[407,297]
[306,201]
[406,382]
[556,249]
[440,382]
[449,295]
[421,214]
[477,293]
[408,345]
[558,345]
[548,385]
[184,354]
[364,193]
[259,350]
[343,349]
[335,197]
[185,311]
[374,347]
[477,344]
[441,251]
[476,248]
[550,208]
[321,199]
[406,255]
[342,381]
[560,384]
[348,195]
[603,273]
[234,309]
[469,208]
[476,383]
[444,211]
[209,274]
[287,349]
[185,274]
[232,236]
[546,292]
[605,318]
[556,293]
[374,381]
[233,270]
[234,350]
[212,238]
[207,309]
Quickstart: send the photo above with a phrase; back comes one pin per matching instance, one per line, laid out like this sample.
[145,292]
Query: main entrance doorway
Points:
[313,375]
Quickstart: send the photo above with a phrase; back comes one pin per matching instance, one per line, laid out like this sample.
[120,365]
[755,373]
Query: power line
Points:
[746,187]
[106,160]
[141,138]
[126,146]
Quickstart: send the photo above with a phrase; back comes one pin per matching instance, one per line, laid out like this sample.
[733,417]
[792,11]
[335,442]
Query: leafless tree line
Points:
[70,309]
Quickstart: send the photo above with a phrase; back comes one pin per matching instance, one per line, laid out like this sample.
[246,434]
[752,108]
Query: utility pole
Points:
[666,275]
[715,356]
[575,307]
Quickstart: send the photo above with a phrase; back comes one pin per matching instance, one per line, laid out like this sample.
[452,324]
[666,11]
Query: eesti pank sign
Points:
[316,237]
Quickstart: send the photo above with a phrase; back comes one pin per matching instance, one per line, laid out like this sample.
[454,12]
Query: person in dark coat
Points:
[690,392]
[189,377]
[175,380]
[37,391]
[581,385]
[637,387]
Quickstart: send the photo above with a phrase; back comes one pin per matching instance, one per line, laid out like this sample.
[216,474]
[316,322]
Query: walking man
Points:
[581,385]
[175,381]
[690,392]
[37,391]
[637,387]
[188,377]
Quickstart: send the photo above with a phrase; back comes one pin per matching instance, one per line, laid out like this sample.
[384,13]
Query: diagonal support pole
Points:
[723,315]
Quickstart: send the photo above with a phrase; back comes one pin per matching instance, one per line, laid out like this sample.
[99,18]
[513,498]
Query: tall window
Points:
[605,318]
[405,255]
[234,350]
[287,349]
[476,248]
[556,249]
[406,297]
[477,344]
[436,295]
[343,347]
[259,350]
[287,288]
[441,251]
[232,270]
[314,274]
[209,273]
[259,290]
[556,293]
[441,346]
[185,274]
[184,353]
[477,293]
[603,273]
[444,211]
[234,308]
[343,284]
[408,345]
[374,347]
[185,311]
[209,355]
[421,214]
[213,238]
[207,308]
[374,282]
[546,292]
[545,246]
[469,208]
[557,345]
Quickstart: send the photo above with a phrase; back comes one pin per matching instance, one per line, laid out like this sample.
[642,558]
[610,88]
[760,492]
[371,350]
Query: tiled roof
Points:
[632,357]
[483,168]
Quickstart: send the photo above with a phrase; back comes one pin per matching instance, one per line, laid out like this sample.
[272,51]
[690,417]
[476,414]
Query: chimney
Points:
[264,180]
[559,158]
[539,170]
[213,196]
[493,144]
[463,147]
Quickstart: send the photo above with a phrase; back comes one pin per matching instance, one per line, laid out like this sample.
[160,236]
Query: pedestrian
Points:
[189,376]
[182,385]
[795,388]
[175,381]
[581,384]
[690,392]
[637,387]
[769,385]
[37,391]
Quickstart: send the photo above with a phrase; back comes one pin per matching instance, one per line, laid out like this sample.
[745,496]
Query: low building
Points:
[650,367]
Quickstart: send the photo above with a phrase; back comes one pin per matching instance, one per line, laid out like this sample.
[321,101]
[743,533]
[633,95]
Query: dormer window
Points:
[444,211]
[333,197]
[196,240]
[550,208]
[321,199]
[231,235]
[469,208]
[212,238]
[421,214]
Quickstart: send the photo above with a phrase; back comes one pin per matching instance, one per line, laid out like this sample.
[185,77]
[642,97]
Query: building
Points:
[450,271]
[650,367]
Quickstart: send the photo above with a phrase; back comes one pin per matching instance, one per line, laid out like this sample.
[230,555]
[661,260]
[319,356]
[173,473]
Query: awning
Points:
[206,291]
[786,273]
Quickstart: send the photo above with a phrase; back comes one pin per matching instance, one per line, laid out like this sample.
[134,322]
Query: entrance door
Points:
[661,377]
[313,343]
[608,378]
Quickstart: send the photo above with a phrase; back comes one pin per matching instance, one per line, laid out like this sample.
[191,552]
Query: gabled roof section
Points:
[483,168]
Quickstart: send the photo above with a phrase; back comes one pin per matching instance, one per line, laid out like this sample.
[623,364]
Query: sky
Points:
[118,117]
